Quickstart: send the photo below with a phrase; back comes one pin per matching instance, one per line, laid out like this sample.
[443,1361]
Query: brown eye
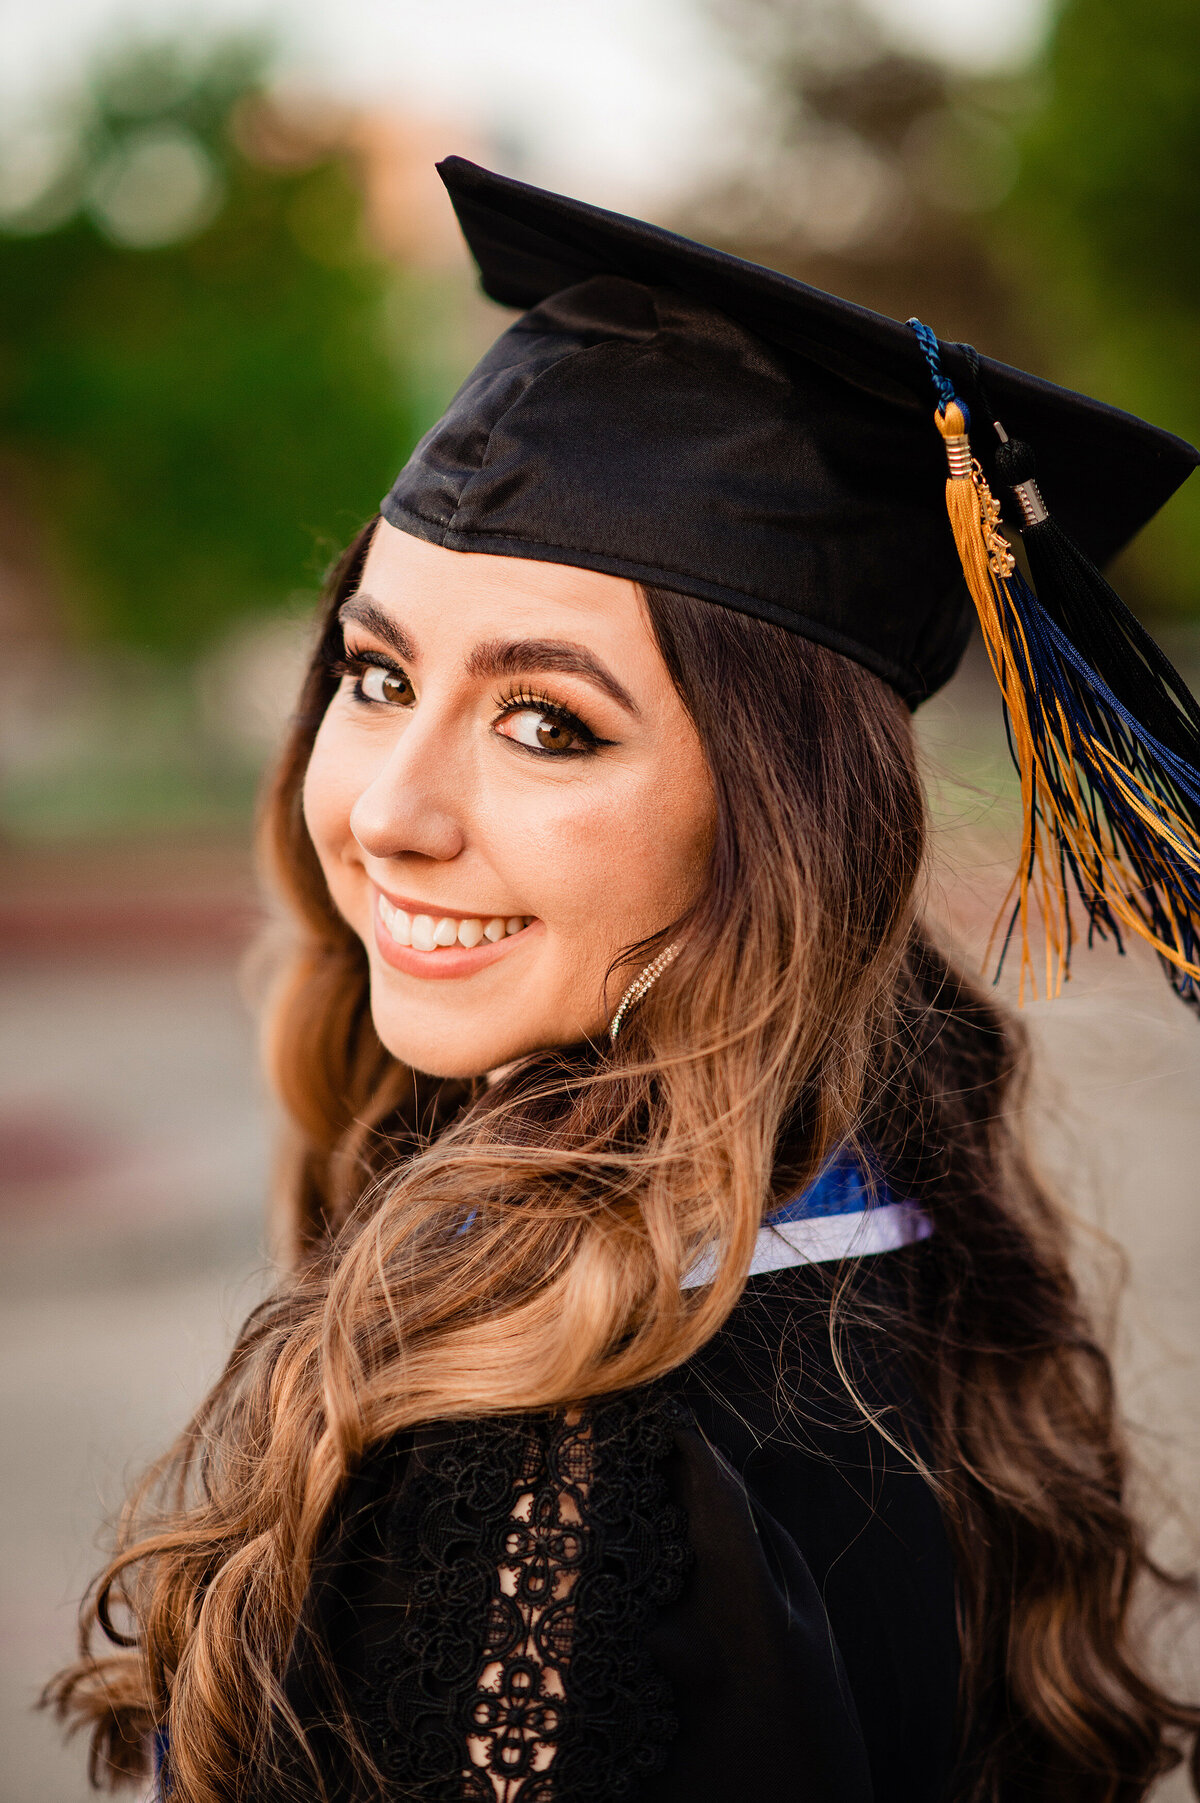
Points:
[539,730]
[552,735]
[390,686]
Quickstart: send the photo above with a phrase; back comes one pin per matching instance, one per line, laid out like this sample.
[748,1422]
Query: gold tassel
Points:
[987,560]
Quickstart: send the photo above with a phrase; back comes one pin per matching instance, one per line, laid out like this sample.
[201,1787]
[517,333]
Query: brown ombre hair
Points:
[807,1007]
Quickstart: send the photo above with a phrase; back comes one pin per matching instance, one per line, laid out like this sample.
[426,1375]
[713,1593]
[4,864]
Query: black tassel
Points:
[1142,794]
[1092,614]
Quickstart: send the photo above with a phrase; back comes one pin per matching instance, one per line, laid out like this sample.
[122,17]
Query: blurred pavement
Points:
[133,1156]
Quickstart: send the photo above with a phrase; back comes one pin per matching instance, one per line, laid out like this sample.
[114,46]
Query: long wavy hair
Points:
[808,1006]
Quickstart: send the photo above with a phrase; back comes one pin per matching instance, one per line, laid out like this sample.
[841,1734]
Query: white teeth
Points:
[396,921]
[427,933]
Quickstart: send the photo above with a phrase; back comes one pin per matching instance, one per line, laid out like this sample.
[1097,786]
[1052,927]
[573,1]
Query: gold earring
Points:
[641,983]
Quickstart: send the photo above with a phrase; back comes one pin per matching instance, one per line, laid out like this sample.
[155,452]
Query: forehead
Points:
[459,594]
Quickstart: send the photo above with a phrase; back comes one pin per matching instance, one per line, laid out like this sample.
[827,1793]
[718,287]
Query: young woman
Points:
[679,1390]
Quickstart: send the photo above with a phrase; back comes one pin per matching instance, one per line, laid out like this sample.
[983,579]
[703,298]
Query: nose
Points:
[409,808]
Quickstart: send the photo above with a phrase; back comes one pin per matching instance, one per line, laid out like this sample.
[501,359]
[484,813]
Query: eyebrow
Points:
[524,657]
[494,658]
[368,613]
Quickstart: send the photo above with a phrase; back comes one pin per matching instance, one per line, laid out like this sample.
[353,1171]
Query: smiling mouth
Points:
[433,933]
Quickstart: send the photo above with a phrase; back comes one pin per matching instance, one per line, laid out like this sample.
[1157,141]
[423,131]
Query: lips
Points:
[446,945]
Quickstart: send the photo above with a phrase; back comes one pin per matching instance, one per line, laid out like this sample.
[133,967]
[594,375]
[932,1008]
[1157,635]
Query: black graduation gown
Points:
[729,1587]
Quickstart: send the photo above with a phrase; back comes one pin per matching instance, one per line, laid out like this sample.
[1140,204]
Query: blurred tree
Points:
[202,385]
[1105,225]
[871,172]
[1051,215]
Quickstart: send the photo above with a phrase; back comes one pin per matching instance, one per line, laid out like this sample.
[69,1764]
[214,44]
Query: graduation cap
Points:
[668,413]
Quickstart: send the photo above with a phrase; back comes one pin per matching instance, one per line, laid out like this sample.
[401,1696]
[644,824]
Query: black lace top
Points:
[728,1588]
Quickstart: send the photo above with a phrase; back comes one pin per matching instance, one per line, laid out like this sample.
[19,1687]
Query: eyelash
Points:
[518,699]
[354,663]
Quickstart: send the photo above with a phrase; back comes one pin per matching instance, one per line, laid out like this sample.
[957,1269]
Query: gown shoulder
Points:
[728,1586]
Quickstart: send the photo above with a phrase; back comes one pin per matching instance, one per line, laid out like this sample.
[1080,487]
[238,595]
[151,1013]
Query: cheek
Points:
[621,864]
[330,792]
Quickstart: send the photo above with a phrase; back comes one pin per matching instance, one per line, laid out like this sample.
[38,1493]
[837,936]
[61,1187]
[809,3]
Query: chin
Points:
[433,1056]
[444,1050]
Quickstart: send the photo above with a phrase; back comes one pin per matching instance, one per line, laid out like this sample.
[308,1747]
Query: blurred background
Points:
[232,295]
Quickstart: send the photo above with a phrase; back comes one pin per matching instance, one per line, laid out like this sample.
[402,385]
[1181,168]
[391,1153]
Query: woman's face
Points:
[505,792]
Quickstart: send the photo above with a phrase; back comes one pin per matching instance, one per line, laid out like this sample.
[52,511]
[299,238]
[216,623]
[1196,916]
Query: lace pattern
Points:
[536,1552]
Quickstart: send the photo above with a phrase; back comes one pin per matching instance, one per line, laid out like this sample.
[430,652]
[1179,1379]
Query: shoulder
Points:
[665,1595]
[583,1607]
[538,1549]
[485,1600]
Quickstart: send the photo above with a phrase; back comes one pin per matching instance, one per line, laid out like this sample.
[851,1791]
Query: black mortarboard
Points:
[682,417]
[669,413]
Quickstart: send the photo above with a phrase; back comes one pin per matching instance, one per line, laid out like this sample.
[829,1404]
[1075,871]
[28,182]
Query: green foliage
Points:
[1106,218]
[201,388]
